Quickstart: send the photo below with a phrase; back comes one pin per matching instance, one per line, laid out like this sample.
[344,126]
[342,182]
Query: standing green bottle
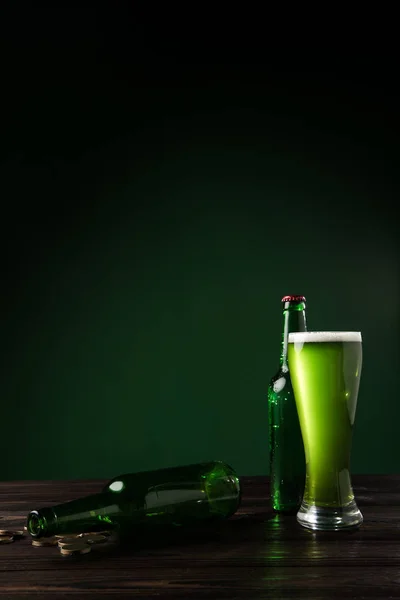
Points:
[287,460]
[175,496]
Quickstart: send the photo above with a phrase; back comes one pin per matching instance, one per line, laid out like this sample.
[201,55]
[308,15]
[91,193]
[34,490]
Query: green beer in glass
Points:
[325,368]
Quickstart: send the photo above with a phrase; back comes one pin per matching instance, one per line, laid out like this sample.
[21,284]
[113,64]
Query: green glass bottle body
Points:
[286,448]
[174,496]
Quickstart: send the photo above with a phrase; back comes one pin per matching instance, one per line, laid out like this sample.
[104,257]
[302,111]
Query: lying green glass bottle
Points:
[175,496]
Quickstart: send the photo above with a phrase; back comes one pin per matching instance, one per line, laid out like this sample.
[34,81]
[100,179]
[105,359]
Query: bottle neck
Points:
[85,514]
[294,319]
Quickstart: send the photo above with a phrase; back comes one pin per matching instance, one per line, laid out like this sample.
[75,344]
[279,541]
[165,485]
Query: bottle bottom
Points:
[329,519]
[287,510]
[286,499]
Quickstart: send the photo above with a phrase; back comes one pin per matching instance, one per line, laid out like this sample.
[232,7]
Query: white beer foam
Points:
[324,336]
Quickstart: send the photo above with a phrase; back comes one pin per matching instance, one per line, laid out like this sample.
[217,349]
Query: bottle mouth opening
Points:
[36,524]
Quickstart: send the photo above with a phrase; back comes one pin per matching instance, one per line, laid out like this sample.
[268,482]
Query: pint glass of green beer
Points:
[325,368]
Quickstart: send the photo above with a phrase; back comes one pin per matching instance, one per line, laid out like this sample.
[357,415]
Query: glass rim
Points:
[324,336]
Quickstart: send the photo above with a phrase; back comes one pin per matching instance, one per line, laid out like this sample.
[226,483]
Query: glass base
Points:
[329,519]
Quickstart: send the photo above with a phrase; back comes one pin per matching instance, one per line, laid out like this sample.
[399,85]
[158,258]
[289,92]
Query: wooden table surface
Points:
[256,554]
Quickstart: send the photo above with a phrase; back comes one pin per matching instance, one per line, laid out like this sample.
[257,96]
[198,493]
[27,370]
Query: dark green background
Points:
[155,211]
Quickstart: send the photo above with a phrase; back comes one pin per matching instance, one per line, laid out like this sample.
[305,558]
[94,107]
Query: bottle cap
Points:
[293,299]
